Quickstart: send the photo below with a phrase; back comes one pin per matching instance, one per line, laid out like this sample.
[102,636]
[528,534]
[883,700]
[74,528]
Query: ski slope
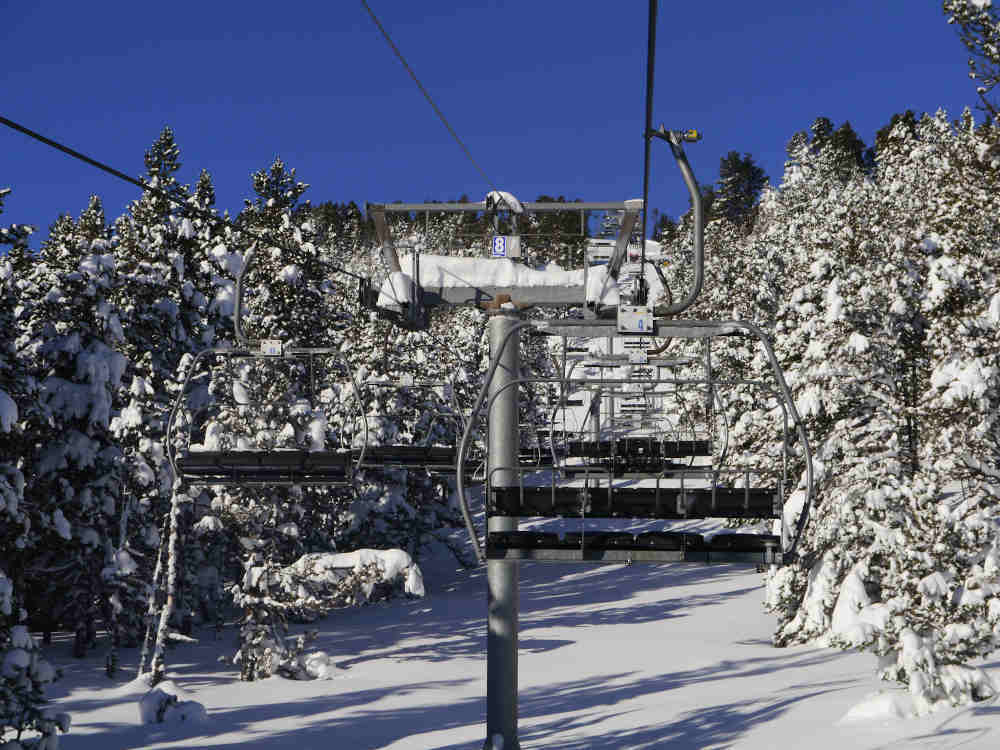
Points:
[644,656]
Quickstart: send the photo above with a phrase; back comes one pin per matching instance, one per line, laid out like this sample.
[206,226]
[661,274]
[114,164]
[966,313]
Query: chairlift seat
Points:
[632,468]
[742,542]
[639,446]
[600,539]
[634,502]
[622,547]
[406,455]
[265,467]
[669,540]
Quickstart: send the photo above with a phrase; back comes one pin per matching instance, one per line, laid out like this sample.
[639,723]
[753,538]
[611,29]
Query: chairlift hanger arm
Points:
[676,138]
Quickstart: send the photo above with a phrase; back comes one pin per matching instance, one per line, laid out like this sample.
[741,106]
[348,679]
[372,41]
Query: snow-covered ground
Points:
[645,656]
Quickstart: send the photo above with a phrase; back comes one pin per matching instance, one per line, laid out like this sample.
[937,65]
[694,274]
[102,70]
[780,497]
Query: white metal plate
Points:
[506,246]
[270,347]
[635,319]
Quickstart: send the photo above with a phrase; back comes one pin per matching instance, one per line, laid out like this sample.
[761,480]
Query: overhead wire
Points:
[647,140]
[427,96]
[201,213]
[112,171]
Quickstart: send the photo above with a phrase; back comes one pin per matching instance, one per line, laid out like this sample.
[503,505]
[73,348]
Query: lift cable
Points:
[207,215]
[427,96]
[646,138]
[145,186]
[112,171]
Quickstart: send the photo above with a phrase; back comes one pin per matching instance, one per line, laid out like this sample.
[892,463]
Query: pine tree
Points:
[286,299]
[26,674]
[73,473]
[894,562]
[165,291]
[979,31]
[739,187]
[16,392]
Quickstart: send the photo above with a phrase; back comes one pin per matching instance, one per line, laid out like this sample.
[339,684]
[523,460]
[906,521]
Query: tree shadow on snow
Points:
[452,624]
[310,726]
[578,707]
[704,727]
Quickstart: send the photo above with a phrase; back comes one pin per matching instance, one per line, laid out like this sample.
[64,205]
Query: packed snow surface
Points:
[611,658]
[168,703]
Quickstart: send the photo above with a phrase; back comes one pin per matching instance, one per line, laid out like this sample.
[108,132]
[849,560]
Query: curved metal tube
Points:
[674,140]
[775,369]
[786,393]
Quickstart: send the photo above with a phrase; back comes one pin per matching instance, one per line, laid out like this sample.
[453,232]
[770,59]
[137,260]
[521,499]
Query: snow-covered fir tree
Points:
[260,406]
[25,721]
[894,562]
[166,285]
[68,330]
[978,25]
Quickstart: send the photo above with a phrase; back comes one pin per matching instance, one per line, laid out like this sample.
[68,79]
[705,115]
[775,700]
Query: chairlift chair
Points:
[657,487]
[252,383]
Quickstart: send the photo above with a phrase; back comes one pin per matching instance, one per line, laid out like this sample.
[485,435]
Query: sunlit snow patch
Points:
[169,704]
[881,706]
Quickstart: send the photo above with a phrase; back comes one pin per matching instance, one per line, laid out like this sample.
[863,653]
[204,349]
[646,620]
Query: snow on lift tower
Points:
[408,294]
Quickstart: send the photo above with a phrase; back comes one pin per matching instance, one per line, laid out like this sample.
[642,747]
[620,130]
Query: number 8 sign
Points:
[500,247]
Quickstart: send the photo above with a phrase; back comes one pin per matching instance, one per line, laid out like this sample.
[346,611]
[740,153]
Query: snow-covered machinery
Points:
[643,454]
[417,282]
[638,451]
[254,416]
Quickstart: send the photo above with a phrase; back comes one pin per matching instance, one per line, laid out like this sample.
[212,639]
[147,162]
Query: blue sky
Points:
[547,94]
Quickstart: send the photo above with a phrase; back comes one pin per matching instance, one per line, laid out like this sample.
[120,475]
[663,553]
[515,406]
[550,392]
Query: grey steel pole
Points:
[502,575]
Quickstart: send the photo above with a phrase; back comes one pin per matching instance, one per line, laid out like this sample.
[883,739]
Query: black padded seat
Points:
[639,447]
[265,467]
[744,542]
[434,459]
[600,539]
[675,540]
[525,539]
[625,467]
[622,547]
[406,455]
[633,502]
